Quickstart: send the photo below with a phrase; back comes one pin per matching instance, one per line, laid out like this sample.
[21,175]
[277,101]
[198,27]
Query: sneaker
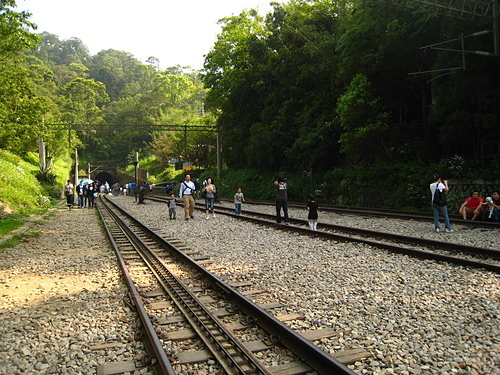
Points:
[214,215]
[449,230]
[438,230]
[208,217]
[187,219]
[192,217]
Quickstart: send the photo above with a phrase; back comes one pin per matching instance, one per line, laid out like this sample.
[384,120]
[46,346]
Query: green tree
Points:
[363,120]
[21,110]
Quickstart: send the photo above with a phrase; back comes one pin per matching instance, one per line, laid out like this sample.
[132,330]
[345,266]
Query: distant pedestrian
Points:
[172,207]
[197,186]
[80,191]
[89,195]
[69,194]
[438,200]
[209,194]
[281,199]
[238,198]
[116,189]
[312,216]
[169,188]
[186,192]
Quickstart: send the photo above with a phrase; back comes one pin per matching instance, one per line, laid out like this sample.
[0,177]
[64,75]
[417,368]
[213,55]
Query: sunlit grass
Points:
[8,225]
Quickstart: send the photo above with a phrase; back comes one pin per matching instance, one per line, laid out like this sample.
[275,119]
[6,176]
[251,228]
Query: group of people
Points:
[188,190]
[86,193]
[473,208]
[281,188]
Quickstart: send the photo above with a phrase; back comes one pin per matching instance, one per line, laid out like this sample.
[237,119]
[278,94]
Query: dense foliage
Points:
[339,94]
[326,84]
[103,99]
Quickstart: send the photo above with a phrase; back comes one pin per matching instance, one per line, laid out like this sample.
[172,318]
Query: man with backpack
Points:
[186,193]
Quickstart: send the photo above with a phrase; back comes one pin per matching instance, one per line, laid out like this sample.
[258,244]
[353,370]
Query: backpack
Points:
[439,198]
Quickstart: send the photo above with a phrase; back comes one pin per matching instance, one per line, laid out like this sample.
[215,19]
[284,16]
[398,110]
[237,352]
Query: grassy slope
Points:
[20,192]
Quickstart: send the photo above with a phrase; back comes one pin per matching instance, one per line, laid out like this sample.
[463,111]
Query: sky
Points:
[175,32]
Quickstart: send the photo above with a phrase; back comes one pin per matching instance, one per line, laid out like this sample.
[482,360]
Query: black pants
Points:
[279,205]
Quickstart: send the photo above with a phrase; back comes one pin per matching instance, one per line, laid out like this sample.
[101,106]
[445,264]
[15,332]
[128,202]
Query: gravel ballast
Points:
[414,316]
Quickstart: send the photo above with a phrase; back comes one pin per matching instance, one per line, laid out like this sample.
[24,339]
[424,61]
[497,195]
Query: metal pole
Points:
[496,37]
[219,156]
[136,163]
[76,166]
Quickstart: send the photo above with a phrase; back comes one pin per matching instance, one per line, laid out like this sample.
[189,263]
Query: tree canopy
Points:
[312,85]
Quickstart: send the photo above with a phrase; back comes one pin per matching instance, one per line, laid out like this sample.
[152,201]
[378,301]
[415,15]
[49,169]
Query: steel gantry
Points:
[470,10]
[182,127]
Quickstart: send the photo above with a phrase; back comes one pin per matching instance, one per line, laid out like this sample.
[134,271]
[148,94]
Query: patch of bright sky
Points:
[175,32]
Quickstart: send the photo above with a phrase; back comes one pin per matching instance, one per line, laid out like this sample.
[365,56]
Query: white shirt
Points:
[186,188]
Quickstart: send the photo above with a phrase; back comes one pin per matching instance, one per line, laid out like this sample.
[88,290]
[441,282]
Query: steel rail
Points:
[421,254]
[383,212]
[231,354]
[154,345]
[449,246]
[303,348]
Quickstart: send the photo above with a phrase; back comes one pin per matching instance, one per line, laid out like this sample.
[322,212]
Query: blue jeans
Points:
[209,204]
[80,200]
[237,208]
[443,210]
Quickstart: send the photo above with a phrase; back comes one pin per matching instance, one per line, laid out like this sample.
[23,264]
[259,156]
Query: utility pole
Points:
[76,166]
[136,164]
[219,156]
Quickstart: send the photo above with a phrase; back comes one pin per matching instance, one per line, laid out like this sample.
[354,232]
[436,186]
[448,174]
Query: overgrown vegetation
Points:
[21,194]
[322,91]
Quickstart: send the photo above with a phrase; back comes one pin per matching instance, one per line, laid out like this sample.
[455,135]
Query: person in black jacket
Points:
[281,199]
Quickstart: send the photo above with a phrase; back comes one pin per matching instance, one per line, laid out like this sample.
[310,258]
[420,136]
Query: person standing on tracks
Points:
[186,193]
[89,194]
[440,208]
[281,188]
[172,207]
[69,194]
[312,216]
[197,186]
[209,194]
[238,199]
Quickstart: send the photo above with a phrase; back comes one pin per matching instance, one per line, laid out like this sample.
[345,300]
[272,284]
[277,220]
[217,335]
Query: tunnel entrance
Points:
[105,176]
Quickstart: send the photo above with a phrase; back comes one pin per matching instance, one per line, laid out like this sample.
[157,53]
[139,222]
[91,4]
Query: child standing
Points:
[312,217]
[238,198]
[172,207]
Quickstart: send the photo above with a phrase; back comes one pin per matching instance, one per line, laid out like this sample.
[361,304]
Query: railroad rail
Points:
[383,212]
[364,211]
[435,250]
[180,281]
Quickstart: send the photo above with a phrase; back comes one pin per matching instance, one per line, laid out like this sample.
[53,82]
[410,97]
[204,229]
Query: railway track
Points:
[191,318]
[471,256]
[382,212]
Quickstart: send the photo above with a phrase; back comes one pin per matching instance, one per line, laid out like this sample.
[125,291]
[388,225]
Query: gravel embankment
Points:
[61,293]
[62,307]
[414,316]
